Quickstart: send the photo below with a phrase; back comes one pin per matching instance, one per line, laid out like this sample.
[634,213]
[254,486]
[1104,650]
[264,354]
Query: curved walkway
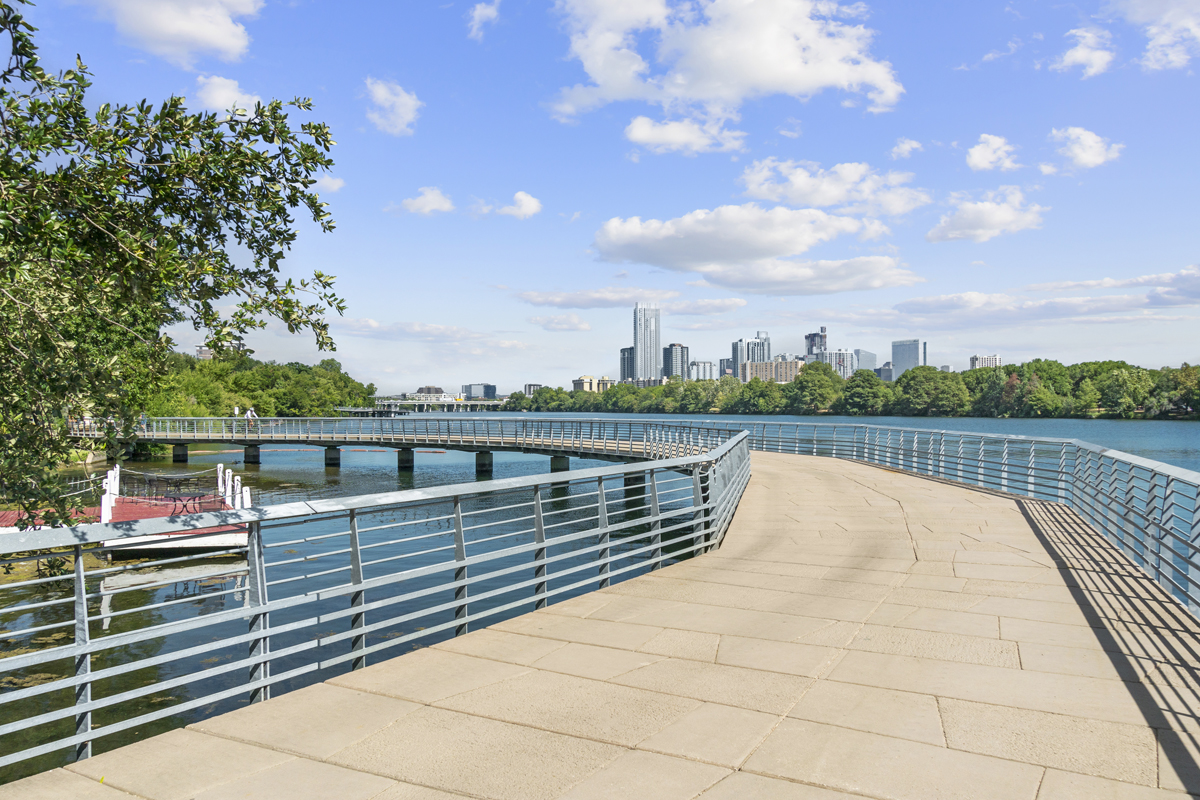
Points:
[861,633]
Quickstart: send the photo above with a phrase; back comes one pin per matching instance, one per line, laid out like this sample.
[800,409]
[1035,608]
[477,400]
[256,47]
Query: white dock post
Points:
[245,497]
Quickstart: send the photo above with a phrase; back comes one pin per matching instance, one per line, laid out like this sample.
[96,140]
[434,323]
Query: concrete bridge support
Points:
[405,461]
[251,455]
[179,453]
[560,463]
[333,457]
[483,463]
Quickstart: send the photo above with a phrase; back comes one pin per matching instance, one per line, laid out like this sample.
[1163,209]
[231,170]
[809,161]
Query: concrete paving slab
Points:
[747,786]
[932,598]
[736,621]
[301,779]
[60,783]
[410,791]
[315,721]
[476,756]
[763,654]
[692,736]
[177,765]
[865,708]
[590,661]
[966,623]
[585,631]
[1059,785]
[937,645]
[642,774]
[835,634]
[882,766]
[716,683]
[684,644]
[427,675]
[513,648]
[1179,761]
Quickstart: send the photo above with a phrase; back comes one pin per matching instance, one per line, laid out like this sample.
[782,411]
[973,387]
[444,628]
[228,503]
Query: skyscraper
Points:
[754,350]
[866,359]
[815,342]
[675,361]
[647,352]
[703,371]
[906,354]
[627,373]
[765,338]
[986,361]
[842,361]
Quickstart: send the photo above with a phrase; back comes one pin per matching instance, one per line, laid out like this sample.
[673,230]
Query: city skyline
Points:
[958,173]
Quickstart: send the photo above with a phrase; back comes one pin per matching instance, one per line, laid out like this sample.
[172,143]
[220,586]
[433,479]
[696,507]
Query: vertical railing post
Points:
[699,525]
[358,620]
[539,553]
[602,518]
[83,660]
[655,522]
[460,571]
[260,623]
[1004,466]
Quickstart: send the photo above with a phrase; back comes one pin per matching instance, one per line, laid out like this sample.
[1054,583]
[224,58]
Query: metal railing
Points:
[110,649]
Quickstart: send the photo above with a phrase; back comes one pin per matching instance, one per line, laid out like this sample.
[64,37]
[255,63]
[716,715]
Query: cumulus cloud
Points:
[1084,148]
[223,94]
[180,30]
[992,152]
[524,206]
[683,136]
[328,183]
[1172,27]
[905,148]
[394,110]
[482,14]
[610,297]
[561,323]
[1169,288]
[428,201]
[1048,169]
[752,249]
[704,308]
[449,338]
[700,62]
[853,187]
[1091,51]
[1002,211]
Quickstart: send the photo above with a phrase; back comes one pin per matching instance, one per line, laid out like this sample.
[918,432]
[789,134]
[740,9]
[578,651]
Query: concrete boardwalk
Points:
[862,633]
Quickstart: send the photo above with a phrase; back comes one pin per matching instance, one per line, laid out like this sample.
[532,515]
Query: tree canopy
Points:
[117,221]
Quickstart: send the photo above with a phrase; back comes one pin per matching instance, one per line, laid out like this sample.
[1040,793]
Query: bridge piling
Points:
[560,463]
[405,460]
[483,463]
[251,455]
[333,457]
[179,453]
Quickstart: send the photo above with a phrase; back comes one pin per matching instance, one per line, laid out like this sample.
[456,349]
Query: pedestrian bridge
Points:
[889,623]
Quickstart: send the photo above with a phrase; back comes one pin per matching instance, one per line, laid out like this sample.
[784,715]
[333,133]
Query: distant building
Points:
[478,391]
[786,370]
[642,383]
[430,390]
[604,383]
[204,353]
[786,357]
[703,370]
[726,367]
[866,359]
[885,372]
[428,394]
[750,350]
[530,388]
[675,361]
[986,361]
[584,383]
[906,354]
[627,368]
[842,361]
[815,342]
[947,368]
[647,352]
[777,371]
[925,354]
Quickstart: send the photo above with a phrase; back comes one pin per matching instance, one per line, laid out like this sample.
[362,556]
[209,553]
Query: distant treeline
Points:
[1037,388]
[200,388]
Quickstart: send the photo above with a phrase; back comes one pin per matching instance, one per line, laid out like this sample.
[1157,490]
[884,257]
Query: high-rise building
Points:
[703,370]
[885,372]
[647,352]
[986,361]
[815,342]
[604,383]
[627,369]
[726,367]
[947,368]
[925,354]
[478,391]
[842,361]
[866,359]
[530,388]
[753,350]
[765,345]
[675,361]
[204,353]
[906,354]
[586,383]
[786,369]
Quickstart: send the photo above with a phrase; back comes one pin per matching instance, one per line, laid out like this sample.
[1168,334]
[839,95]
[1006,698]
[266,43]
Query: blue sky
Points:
[995,177]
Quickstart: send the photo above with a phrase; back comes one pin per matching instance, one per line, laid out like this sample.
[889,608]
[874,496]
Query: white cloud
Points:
[1172,26]
[610,297]
[179,30]
[1003,211]
[1090,52]
[561,323]
[482,14]
[328,183]
[905,148]
[684,136]
[1084,148]
[459,341]
[223,94]
[704,308]
[395,110]
[428,201]
[1014,45]
[992,152]
[752,249]
[1170,288]
[524,206]
[701,61]
[853,187]
[1047,169]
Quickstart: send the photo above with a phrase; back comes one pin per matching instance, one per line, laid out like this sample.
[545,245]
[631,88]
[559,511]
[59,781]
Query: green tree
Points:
[1125,390]
[865,393]
[517,401]
[928,392]
[759,397]
[814,390]
[118,221]
[1087,396]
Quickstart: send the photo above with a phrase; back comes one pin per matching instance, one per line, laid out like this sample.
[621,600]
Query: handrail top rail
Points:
[47,538]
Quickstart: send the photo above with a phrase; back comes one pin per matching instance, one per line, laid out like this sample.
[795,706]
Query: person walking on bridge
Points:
[251,416]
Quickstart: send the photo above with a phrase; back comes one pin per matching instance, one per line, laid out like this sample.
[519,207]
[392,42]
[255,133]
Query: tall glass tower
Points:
[647,351]
[906,354]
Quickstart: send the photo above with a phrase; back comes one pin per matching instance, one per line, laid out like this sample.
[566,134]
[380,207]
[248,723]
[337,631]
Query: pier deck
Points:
[861,633]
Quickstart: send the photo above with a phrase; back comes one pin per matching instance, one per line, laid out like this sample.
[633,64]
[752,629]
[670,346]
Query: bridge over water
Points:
[925,615]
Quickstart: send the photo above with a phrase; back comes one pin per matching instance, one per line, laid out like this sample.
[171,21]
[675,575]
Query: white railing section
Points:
[97,648]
